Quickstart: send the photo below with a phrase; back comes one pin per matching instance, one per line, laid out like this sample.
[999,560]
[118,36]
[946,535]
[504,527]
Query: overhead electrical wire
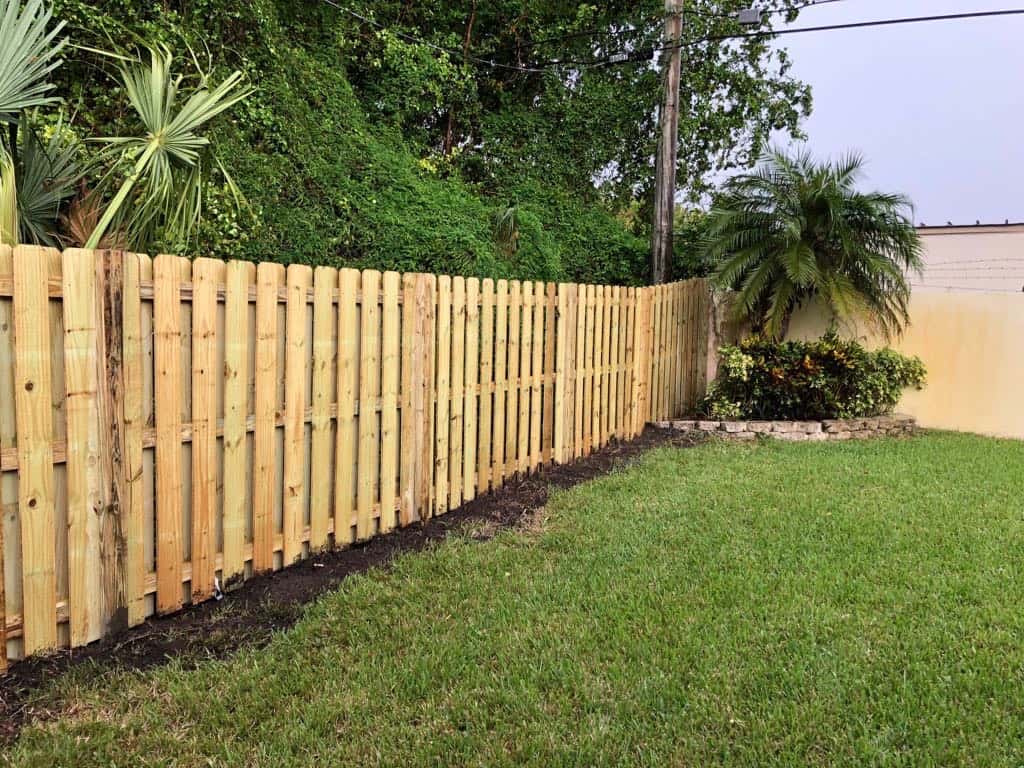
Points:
[646,53]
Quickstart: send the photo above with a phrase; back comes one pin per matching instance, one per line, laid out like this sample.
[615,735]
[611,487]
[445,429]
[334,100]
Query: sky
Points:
[936,108]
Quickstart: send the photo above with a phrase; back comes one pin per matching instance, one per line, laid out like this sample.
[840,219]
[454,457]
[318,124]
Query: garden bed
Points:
[828,429]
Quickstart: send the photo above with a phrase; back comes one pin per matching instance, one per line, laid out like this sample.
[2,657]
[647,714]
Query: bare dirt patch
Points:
[251,614]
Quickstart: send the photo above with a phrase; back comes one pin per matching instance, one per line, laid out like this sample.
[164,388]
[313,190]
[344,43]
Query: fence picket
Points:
[487,395]
[515,306]
[368,462]
[443,421]
[497,470]
[239,278]
[345,450]
[469,408]
[325,283]
[389,401]
[269,278]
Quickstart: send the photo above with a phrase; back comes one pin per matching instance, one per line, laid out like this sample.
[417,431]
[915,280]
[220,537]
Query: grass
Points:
[858,603]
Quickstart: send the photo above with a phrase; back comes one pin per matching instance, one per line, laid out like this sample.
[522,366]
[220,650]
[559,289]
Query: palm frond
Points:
[8,200]
[48,175]
[28,56]
[162,191]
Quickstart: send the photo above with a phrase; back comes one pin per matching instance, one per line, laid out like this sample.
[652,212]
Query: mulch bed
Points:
[251,614]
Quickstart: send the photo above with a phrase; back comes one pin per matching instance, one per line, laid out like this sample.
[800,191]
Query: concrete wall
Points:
[972,343]
[973,258]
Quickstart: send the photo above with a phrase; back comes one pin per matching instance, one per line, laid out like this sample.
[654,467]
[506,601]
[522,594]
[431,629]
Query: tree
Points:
[795,229]
[553,106]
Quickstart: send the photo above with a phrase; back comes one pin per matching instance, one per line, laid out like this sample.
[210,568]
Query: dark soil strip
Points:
[261,606]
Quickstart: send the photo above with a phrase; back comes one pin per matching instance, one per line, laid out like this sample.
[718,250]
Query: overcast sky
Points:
[937,108]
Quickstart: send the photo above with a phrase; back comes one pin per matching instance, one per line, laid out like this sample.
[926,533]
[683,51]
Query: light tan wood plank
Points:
[550,350]
[85,566]
[349,287]
[240,276]
[525,379]
[206,273]
[321,507]
[469,409]
[614,399]
[500,382]
[515,307]
[389,400]
[168,397]
[423,406]
[369,389]
[458,382]
[486,429]
[537,373]
[269,278]
[444,360]
[137,268]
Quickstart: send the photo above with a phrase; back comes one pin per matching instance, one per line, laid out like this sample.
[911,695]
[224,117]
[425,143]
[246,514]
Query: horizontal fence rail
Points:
[168,427]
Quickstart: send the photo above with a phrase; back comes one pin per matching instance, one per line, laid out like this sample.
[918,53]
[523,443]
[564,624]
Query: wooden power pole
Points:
[665,166]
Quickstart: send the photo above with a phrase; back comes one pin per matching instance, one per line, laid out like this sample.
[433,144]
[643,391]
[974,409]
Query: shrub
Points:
[830,378]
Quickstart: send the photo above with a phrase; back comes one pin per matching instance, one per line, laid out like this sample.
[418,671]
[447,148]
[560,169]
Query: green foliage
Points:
[160,200]
[830,378]
[363,147]
[795,229]
[29,54]
[48,172]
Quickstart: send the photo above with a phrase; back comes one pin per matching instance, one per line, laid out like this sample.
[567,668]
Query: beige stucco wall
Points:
[972,258]
[972,343]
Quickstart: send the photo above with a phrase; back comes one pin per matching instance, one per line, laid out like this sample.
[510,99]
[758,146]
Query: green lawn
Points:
[840,604]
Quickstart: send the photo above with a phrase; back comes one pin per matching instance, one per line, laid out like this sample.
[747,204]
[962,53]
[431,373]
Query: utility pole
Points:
[665,165]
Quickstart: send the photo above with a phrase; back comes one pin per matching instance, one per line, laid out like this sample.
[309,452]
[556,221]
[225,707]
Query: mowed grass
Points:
[845,604]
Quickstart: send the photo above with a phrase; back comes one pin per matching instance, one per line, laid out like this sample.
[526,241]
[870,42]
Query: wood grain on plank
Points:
[369,389]
[495,471]
[321,508]
[349,287]
[390,361]
[444,357]
[455,488]
[269,278]
[486,429]
[469,408]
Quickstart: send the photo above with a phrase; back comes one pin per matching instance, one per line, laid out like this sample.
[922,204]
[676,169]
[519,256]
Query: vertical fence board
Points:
[368,461]
[412,370]
[321,512]
[389,401]
[423,410]
[587,413]
[525,378]
[443,419]
[300,278]
[239,277]
[500,383]
[168,396]
[204,420]
[579,366]
[537,373]
[349,281]
[269,278]
[85,567]
[8,493]
[614,392]
[469,409]
[550,329]
[483,471]
[136,268]
[515,306]
[561,365]
[455,446]
[598,365]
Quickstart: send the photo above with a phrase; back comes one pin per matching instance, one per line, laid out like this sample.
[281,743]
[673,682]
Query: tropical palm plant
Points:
[161,192]
[794,229]
[48,173]
[28,55]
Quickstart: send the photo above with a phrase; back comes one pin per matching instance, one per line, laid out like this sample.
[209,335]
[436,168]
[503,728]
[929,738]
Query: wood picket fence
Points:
[169,427]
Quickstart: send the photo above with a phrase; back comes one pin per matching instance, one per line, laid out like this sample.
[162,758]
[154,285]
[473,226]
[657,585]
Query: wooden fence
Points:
[170,427]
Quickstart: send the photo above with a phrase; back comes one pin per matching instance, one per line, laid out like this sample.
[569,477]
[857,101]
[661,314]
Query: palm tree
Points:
[795,229]
[161,193]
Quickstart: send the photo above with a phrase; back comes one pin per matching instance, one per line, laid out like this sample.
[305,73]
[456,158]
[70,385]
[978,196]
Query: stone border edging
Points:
[829,429]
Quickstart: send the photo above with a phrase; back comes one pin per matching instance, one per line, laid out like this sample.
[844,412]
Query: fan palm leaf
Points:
[793,229]
[8,200]
[162,190]
[48,174]
[28,55]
